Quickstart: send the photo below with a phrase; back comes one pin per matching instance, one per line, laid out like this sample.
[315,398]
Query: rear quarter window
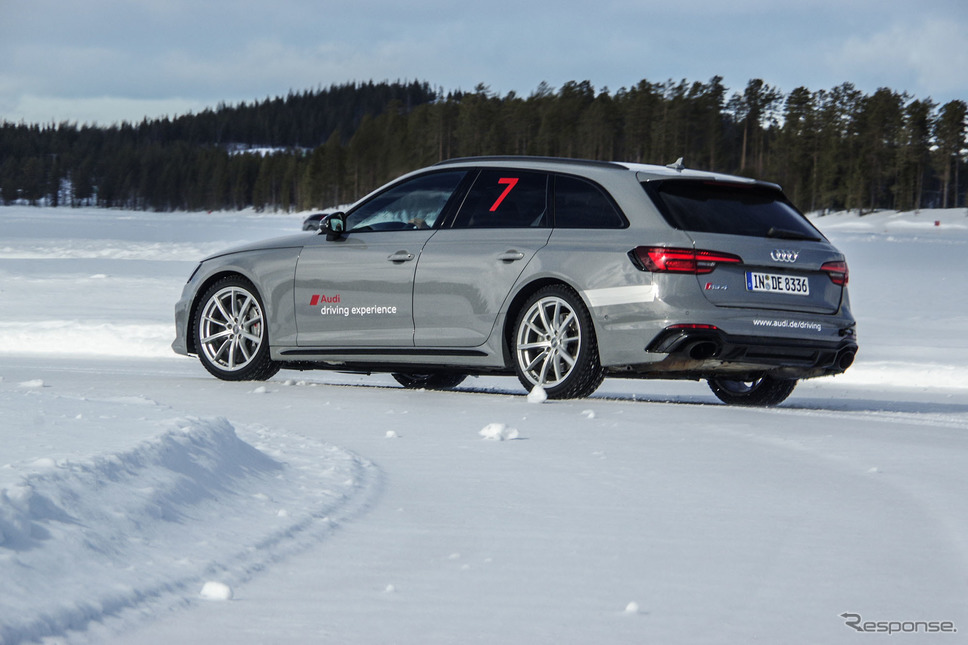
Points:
[731,209]
[582,204]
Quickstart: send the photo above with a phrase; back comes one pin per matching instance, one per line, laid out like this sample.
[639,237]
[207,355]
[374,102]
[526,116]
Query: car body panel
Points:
[620,298]
[357,291]
[727,285]
[453,305]
[271,270]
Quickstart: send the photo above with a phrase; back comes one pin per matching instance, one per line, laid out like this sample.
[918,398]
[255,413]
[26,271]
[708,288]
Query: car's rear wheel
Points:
[555,345]
[762,392]
[231,332]
[429,380]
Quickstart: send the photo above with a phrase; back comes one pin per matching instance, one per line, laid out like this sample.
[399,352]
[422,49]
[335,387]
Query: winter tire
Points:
[762,392]
[555,345]
[230,332]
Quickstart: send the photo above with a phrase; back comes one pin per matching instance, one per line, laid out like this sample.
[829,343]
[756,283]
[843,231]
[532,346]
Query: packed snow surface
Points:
[143,501]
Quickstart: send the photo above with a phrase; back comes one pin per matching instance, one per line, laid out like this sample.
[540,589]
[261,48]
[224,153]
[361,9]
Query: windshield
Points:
[732,209]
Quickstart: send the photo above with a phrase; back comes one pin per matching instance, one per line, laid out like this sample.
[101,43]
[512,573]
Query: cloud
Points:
[929,54]
[77,56]
[103,110]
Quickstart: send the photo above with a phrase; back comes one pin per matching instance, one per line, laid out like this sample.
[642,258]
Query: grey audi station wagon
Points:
[558,271]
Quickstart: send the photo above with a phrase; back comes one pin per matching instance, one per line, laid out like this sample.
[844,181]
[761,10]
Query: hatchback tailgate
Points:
[784,275]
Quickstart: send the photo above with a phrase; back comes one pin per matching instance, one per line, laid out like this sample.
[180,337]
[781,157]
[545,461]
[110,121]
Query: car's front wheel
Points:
[555,345]
[231,332]
[762,392]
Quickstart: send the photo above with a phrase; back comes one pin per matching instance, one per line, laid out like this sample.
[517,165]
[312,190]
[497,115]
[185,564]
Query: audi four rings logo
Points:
[781,255]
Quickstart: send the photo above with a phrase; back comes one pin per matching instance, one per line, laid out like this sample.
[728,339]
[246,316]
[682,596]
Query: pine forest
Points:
[829,149]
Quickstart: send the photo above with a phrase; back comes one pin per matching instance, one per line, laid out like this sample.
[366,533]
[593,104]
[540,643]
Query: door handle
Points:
[510,256]
[401,256]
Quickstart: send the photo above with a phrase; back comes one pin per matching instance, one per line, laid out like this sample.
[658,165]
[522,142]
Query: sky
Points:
[107,61]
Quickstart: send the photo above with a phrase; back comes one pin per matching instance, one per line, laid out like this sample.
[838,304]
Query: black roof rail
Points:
[513,158]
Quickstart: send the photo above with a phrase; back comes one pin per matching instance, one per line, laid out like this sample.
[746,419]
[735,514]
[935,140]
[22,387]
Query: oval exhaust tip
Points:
[846,359]
[703,350]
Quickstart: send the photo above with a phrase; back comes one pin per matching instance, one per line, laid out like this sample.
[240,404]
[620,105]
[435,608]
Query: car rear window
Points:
[732,209]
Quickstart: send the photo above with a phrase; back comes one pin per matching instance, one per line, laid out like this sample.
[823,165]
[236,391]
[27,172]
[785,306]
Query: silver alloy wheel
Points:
[548,341]
[231,328]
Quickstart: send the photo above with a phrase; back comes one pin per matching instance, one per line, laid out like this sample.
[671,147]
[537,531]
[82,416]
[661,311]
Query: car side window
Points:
[414,204]
[503,198]
[582,204]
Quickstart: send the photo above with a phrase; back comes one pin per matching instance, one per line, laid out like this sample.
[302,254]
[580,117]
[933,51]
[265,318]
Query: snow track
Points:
[150,525]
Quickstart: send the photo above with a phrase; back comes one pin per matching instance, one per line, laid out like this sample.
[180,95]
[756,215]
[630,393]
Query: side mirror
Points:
[334,225]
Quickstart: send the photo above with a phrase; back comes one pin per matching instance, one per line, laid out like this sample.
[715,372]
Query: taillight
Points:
[837,271]
[658,259]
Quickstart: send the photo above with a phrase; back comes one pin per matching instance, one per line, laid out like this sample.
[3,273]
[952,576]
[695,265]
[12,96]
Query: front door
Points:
[357,291]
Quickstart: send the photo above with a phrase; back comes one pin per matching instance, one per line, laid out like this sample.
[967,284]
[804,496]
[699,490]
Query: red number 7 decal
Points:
[511,182]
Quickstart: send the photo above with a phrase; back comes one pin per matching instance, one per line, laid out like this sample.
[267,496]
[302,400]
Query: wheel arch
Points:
[203,287]
[517,303]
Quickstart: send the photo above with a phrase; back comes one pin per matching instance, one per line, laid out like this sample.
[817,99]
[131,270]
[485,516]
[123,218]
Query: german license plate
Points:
[775,283]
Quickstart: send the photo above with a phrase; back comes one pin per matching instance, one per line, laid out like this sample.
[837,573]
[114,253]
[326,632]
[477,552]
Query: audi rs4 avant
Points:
[558,271]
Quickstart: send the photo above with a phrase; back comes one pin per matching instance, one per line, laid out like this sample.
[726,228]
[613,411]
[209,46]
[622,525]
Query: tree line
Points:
[829,149]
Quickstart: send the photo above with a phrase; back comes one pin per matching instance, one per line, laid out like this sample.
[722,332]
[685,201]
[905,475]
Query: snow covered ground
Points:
[143,501]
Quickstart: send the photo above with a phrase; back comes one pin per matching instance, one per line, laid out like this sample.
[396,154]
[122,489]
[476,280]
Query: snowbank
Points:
[87,538]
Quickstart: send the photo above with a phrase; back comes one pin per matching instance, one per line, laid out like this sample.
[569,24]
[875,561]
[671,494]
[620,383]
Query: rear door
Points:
[785,263]
[467,269]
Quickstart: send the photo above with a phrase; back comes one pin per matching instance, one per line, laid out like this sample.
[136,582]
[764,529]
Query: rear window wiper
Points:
[784,234]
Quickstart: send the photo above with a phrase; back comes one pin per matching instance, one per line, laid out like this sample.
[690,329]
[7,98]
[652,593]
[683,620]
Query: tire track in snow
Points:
[918,472]
[89,541]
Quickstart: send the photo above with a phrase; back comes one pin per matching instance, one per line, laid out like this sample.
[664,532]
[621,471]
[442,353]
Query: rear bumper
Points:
[709,352]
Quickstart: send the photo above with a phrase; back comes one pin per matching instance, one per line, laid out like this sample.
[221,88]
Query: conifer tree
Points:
[950,134]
